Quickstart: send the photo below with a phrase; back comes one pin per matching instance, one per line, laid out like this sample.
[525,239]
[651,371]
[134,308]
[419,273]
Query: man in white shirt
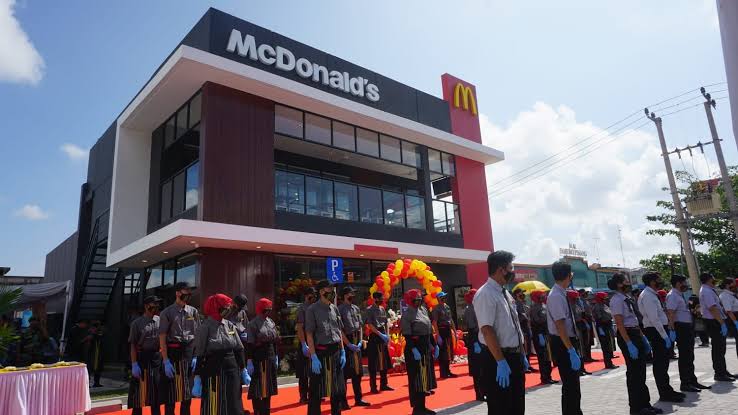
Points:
[654,327]
[730,304]
[502,358]
[714,316]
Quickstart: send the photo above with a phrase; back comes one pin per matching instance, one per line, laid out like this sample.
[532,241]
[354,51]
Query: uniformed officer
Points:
[219,368]
[603,320]
[730,305]
[578,312]
[377,348]
[655,327]
[302,362]
[471,338]
[239,316]
[585,326]
[263,360]
[634,345]
[503,345]
[324,332]
[352,329]
[680,318]
[177,326]
[524,317]
[562,332]
[714,316]
[145,359]
[420,351]
[445,330]
[96,360]
[539,328]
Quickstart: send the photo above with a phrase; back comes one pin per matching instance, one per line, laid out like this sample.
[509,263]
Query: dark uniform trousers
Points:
[606,341]
[571,393]
[732,332]
[635,375]
[181,356]
[685,345]
[378,361]
[329,383]
[302,367]
[661,357]
[510,400]
[544,357]
[446,354]
[718,346]
[585,339]
[470,338]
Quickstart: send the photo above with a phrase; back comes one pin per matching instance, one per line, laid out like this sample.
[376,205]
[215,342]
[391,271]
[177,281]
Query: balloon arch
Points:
[407,268]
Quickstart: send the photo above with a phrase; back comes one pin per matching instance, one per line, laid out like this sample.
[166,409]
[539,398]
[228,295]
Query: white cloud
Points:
[616,185]
[74,152]
[32,212]
[19,60]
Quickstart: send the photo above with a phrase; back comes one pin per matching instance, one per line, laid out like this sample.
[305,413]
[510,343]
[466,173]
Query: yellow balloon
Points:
[384,274]
[396,272]
[373,289]
[399,264]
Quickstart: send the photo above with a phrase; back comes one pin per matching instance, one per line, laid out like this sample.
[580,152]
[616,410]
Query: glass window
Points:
[452,215]
[390,148]
[178,194]
[434,160]
[288,121]
[280,190]
[166,201]
[169,132]
[169,274]
[195,110]
[182,121]
[370,205]
[415,208]
[356,270]
[343,136]
[187,269]
[439,216]
[367,142]
[289,192]
[154,279]
[410,154]
[319,197]
[346,203]
[192,188]
[394,209]
[318,129]
[449,166]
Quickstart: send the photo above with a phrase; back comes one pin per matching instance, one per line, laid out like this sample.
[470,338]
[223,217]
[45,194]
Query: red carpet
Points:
[450,392]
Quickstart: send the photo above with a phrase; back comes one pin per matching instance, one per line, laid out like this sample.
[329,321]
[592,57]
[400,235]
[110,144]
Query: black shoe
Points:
[303,400]
[689,388]
[700,386]
[386,388]
[681,395]
[362,403]
[452,375]
[549,382]
[656,410]
[533,370]
[724,378]
[345,406]
[589,360]
[481,398]
[611,366]
[672,398]
[644,411]
[430,411]
[373,390]
[97,385]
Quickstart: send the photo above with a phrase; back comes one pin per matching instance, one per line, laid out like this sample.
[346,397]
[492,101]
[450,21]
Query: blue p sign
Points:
[334,270]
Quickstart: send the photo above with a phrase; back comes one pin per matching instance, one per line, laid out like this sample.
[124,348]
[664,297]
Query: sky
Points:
[548,75]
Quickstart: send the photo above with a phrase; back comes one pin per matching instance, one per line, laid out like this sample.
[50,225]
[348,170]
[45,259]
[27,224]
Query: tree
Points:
[8,299]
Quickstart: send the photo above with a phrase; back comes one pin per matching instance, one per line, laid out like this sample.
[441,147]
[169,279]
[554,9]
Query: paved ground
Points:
[605,392]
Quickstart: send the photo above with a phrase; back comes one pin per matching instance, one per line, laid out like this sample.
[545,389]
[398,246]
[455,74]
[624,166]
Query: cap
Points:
[323,284]
[151,299]
[240,300]
[183,285]
[347,290]
[377,294]
[441,294]
[308,291]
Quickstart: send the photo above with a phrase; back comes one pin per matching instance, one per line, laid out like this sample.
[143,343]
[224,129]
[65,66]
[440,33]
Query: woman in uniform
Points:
[261,352]
[145,359]
[419,345]
[219,353]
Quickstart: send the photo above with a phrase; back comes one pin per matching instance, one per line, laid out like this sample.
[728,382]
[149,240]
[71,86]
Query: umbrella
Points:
[529,286]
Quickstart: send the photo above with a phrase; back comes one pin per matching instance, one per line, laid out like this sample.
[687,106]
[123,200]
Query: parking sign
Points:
[334,270]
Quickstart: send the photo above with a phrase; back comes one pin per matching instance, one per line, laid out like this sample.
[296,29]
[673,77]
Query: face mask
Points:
[266,313]
[509,276]
[350,298]
[152,309]
[417,302]
[659,284]
[379,300]
[683,288]
[330,296]
[185,297]
[224,312]
[310,299]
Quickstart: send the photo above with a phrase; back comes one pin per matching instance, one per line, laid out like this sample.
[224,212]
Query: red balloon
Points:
[437,283]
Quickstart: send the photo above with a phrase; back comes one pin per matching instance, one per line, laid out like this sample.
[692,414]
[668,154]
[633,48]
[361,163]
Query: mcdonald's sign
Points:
[464,95]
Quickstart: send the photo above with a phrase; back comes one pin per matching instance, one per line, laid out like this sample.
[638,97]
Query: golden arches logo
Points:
[463,91]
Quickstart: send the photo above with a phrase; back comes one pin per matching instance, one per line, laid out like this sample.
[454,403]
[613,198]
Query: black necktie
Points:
[513,316]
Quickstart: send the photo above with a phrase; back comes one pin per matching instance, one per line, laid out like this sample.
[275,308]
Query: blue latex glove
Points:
[503,373]
[315,363]
[342,359]
[724,330]
[244,336]
[197,387]
[541,340]
[436,352]
[600,331]
[416,353]
[276,361]
[169,369]
[305,349]
[245,377]
[439,340]
[193,364]
[672,336]
[526,364]
[736,324]
[632,350]
[136,370]
[576,362]
[647,344]
[354,348]
[667,342]
[384,337]
[250,367]
[477,348]
[360,345]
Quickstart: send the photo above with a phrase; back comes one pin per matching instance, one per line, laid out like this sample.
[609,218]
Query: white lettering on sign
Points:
[284,60]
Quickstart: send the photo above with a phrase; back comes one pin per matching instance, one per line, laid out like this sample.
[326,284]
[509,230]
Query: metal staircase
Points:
[96,282]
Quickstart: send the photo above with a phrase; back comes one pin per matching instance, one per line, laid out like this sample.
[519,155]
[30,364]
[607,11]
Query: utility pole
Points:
[727,182]
[679,213]
[620,238]
[597,248]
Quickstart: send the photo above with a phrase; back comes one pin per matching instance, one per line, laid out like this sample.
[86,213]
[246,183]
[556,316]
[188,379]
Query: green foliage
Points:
[8,299]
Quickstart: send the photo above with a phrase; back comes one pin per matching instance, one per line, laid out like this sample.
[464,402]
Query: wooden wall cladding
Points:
[234,272]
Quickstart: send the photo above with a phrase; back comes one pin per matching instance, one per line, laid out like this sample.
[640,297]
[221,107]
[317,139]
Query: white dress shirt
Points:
[496,309]
[652,311]
[730,302]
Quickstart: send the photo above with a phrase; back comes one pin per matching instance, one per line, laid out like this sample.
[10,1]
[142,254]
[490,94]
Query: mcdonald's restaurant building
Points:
[249,159]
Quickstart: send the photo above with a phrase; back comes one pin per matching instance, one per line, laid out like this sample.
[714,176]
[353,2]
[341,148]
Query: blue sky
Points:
[575,65]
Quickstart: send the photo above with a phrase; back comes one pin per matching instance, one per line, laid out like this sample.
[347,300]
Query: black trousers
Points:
[732,332]
[544,359]
[510,400]
[378,361]
[155,410]
[661,357]
[685,345]
[446,354]
[606,342]
[635,376]
[262,406]
[585,339]
[718,347]
[302,367]
[356,385]
[571,393]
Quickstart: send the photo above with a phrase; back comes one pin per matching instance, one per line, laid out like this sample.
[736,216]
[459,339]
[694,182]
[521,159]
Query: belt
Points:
[511,350]
[178,345]
[325,346]
[444,326]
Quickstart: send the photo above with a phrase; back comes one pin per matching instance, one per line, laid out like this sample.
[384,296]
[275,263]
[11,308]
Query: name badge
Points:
[231,333]
[190,318]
